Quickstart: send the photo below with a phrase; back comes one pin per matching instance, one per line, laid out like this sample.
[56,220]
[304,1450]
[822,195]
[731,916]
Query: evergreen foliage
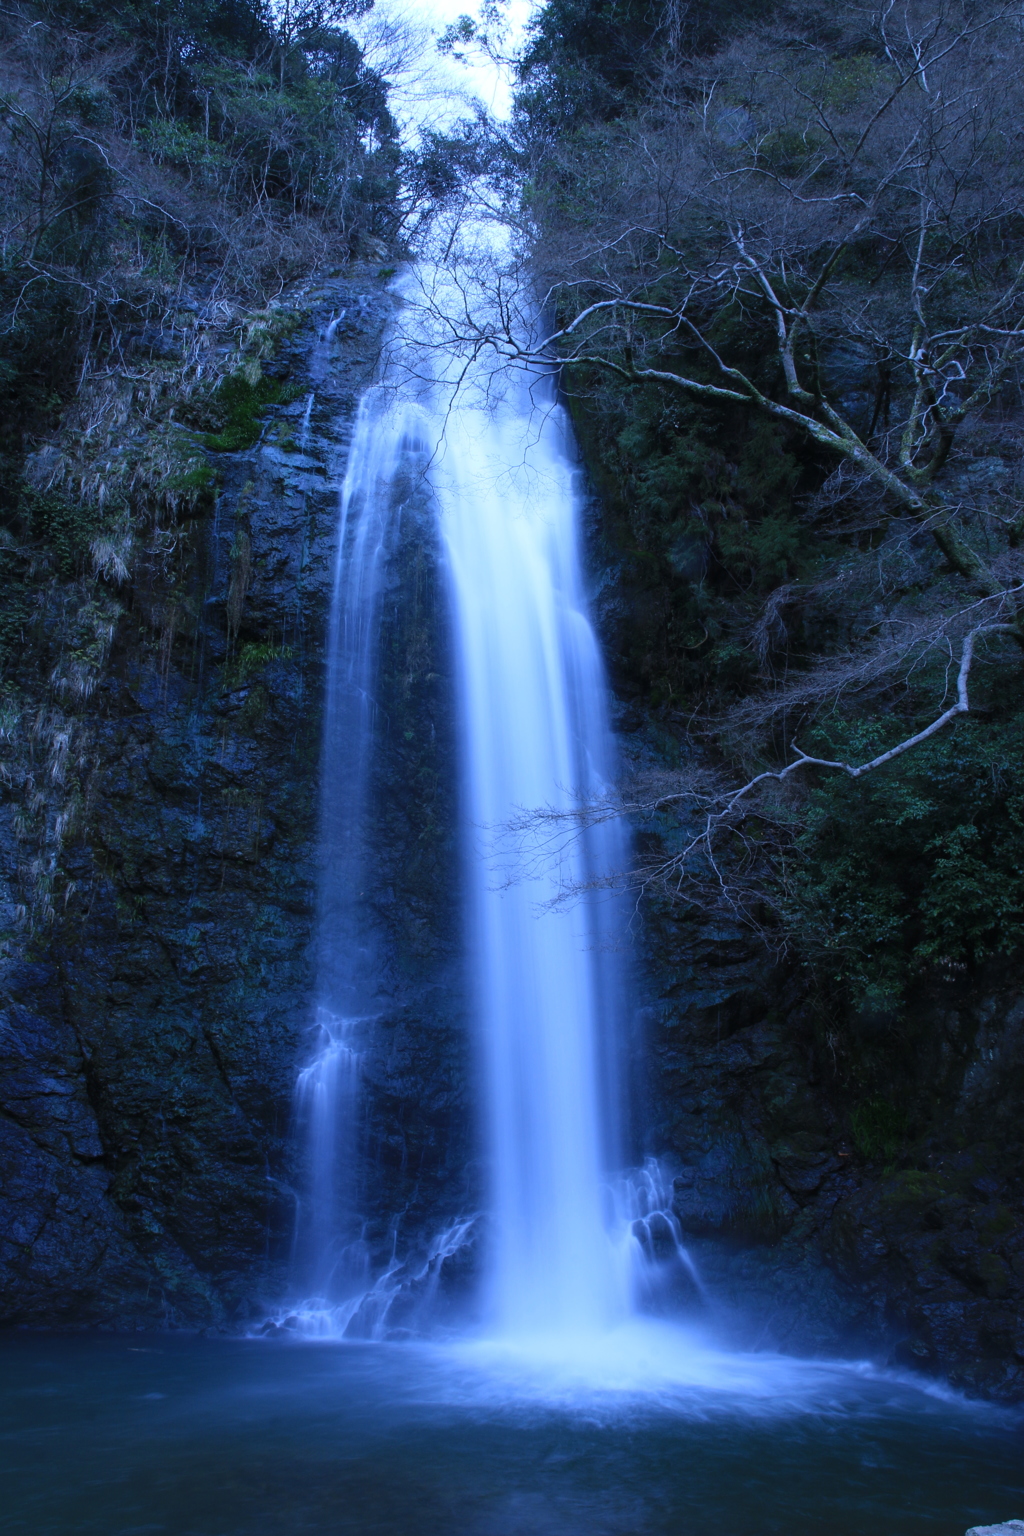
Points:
[239,404]
[919,872]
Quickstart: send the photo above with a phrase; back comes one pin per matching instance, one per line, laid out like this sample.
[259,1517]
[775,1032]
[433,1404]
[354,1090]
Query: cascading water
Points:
[330,1266]
[534,738]
[489,447]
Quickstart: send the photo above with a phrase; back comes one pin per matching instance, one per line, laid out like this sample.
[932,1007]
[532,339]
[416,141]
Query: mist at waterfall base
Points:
[107,1436]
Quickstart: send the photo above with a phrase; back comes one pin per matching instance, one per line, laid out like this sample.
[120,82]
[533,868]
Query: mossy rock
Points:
[239,405]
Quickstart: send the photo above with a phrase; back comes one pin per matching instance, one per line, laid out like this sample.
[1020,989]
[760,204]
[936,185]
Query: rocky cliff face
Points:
[825,1217]
[817,1239]
[150,1035]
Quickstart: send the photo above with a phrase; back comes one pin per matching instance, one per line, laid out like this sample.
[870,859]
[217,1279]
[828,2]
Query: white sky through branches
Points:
[428,89]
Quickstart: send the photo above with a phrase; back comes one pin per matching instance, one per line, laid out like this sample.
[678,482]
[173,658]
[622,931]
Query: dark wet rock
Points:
[65,1249]
[807,1236]
[148,1055]
[804,1241]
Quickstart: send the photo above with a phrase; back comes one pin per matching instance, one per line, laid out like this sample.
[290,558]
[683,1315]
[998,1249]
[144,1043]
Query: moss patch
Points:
[239,406]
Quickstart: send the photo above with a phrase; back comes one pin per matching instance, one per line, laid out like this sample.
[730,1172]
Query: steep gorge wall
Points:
[151,1033]
[849,1181]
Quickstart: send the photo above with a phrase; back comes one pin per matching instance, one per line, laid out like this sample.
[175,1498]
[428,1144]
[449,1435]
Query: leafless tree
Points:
[820,226]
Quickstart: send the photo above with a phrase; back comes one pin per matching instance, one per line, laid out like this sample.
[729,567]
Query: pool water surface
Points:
[146,1434]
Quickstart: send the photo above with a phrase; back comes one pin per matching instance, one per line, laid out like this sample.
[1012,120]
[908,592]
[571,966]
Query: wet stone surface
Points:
[809,1237]
[149,1048]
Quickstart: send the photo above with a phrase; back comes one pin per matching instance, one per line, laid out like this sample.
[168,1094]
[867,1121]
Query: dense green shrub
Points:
[918,869]
[61,530]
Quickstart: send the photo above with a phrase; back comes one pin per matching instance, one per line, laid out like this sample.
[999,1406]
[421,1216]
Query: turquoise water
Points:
[120,1436]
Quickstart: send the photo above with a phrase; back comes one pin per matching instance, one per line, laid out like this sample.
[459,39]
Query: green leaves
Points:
[238,404]
[878,1128]
[918,870]
[61,529]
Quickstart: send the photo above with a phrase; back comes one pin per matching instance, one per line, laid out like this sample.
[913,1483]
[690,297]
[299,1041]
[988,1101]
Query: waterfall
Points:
[329,1265]
[534,738]
[490,450]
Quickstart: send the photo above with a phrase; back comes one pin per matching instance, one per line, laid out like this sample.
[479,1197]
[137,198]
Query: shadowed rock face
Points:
[814,1230]
[805,1241]
[149,1047]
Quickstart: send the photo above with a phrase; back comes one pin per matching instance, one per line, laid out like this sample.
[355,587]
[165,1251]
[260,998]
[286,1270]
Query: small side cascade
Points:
[325,1112]
[307,414]
[649,1240]
[401,1301]
[338,1289]
[330,1270]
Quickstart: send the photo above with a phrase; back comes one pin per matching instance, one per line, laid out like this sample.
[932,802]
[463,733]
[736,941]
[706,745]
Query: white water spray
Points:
[490,447]
[329,1261]
[534,739]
